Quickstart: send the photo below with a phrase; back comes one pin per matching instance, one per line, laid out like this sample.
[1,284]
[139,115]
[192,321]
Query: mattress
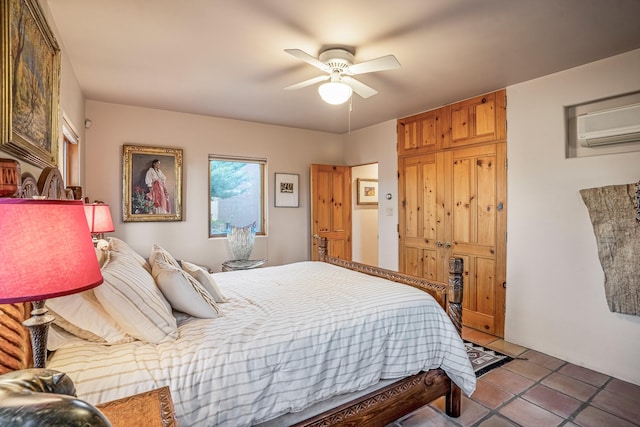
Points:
[289,337]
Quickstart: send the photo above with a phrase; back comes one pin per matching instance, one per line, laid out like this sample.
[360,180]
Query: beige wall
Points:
[286,150]
[377,144]
[364,219]
[555,294]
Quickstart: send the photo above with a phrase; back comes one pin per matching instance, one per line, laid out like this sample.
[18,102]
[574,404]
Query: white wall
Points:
[364,219]
[377,143]
[287,150]
[555,293]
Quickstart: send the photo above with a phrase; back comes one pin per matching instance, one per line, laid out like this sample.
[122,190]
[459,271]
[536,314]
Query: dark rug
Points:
[484,359]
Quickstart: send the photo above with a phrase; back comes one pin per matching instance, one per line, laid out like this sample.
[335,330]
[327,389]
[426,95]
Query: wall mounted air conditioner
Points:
[611,126]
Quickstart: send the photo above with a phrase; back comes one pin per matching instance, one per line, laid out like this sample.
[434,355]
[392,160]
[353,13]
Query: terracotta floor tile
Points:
[569,386]
[527,369]
[505,347]
[470,412]
[616,404]
[497,421]
[425,416]
[507,380]
[552,400]
[625,389]
[529,415]
[477,337]
[542,359]
[594,417]
[585,375]
[489,395]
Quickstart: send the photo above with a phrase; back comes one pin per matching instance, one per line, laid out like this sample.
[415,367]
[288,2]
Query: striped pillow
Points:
[130,295]
[205,280]
[118,245]
[82,315]
[183,291]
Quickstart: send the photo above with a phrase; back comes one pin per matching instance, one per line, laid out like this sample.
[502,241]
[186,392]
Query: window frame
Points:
[263,191]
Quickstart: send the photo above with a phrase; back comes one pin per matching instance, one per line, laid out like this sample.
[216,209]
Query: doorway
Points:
[364,217]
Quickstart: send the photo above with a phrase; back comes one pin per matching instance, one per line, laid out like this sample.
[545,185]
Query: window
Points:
[70,155]
[236,194]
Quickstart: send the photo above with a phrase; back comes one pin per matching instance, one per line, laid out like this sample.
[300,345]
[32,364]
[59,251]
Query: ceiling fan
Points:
[339,65]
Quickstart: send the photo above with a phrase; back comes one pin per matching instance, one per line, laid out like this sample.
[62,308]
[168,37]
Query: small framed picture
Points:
[367,191]
[286,190]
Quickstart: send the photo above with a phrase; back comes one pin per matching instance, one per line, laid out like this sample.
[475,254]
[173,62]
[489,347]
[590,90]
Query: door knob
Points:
[447,245]
[439,244]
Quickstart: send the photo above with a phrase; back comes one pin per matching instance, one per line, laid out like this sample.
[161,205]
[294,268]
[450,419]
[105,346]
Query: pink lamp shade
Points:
[46,250]
[98,218]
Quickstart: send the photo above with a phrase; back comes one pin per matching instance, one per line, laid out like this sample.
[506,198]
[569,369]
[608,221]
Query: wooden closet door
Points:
[331,209]
[475,223]
[421,217]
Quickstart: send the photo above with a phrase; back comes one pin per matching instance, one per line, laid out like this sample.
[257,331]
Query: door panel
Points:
[331,209]
[452,204]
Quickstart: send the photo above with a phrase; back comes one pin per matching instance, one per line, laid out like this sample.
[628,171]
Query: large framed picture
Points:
[367,191]
[287,190]
[151,183]
[30,90]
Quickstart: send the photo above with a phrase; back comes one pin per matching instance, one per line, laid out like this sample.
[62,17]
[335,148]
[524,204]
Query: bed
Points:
[218,376]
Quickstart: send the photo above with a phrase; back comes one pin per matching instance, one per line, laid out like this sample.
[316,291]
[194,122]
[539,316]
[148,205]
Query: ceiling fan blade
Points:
[304,56]
[360,88]
[308,82]
[388,62]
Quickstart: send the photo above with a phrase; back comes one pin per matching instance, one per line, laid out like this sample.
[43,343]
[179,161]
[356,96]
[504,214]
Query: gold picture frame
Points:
[367,191]
[30,90]
[151,193]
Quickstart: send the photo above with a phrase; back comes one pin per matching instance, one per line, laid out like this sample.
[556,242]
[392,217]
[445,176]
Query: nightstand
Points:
[150,409]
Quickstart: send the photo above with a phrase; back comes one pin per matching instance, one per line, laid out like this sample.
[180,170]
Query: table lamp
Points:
[46,251]
[99,219]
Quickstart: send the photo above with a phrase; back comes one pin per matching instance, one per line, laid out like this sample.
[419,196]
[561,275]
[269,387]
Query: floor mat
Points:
[484,359]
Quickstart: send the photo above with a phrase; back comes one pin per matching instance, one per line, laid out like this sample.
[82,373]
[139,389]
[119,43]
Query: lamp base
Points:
[38,325]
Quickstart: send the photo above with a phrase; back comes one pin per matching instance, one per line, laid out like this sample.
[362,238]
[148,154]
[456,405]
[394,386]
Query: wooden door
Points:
[475,230]
[424,133]
[421,217]
[478,120]
[453,204]
[331,209]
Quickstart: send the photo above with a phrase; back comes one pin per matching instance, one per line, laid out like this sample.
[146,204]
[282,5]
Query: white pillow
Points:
[118,245]
[183,291]
[157,252]
[82,315]
[58,338]
[205,280]
[130,295]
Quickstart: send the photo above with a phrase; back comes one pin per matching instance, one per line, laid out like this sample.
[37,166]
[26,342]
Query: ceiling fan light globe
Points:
[335,93]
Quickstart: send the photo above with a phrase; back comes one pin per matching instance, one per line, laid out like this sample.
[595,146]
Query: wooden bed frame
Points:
[378,408]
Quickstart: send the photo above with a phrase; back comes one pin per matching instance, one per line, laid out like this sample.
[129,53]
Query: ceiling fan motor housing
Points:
[337,59]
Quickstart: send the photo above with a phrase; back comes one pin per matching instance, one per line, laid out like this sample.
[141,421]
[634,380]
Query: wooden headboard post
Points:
[454,293]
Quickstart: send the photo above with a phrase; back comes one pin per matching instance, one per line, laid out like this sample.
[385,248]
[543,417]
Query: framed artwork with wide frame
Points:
[286,187]
[30,90]
[367,191]
[151,183]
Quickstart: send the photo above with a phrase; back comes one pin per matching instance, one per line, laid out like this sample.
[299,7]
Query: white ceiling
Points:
[226,58]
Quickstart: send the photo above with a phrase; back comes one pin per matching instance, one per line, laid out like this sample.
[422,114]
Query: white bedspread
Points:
[290,336]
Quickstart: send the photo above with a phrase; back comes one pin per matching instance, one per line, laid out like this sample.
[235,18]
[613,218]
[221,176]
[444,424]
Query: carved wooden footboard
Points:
[390,403]
[15,343]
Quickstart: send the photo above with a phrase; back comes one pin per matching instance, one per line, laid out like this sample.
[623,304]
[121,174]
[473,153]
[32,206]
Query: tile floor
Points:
[536,390]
